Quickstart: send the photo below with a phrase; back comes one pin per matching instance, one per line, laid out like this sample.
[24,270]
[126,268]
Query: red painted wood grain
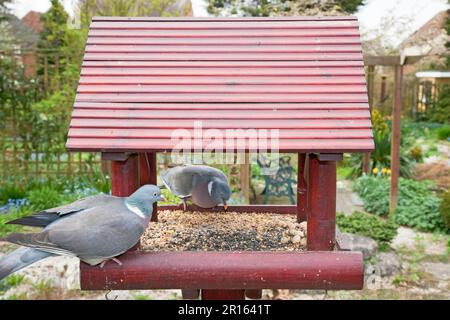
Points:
[227,270]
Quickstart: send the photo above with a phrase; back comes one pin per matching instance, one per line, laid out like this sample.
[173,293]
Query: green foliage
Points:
[417,206]
[10,191]
[444,133]
[11,281]
[444,208]
[265,8]
[441,110]
[381,230]
[350,6]
[44,198]
[125,8]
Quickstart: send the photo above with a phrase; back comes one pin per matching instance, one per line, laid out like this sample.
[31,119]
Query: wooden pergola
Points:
[398,63]
[142,78]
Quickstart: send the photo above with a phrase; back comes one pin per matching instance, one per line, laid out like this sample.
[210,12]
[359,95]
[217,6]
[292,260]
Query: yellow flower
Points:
[388,172]
[384,171]
[375,171]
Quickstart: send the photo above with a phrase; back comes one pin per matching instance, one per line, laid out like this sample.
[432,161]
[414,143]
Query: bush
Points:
[444,208]
[443,133]
[10,191]
[381,230]
[417,206]
[44,198]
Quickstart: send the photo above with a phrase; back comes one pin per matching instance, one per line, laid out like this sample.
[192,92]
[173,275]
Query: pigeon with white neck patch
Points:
[207,186]
[95,229]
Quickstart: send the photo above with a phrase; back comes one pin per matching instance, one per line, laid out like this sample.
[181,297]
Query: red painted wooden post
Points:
[302,194]
[253,294]
[223,294]
[148,174]
[247,270]
[322,204]
[124,176]
[395,140]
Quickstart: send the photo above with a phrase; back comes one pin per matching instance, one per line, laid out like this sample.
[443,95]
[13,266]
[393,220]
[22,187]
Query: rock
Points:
[388,263]
[296,239]
[410,239]
[439,270]
[303,242]
[366,245]
[304,226]
[285,240]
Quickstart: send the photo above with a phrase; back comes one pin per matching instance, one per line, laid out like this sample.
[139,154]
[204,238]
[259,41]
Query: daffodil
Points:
[375,171]
[388,172]
[384,171]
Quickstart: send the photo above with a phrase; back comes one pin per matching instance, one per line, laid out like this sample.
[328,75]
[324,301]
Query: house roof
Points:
[143,78]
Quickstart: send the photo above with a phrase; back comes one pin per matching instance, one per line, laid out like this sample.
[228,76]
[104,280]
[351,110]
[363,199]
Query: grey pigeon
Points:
[95,229]
[207,186]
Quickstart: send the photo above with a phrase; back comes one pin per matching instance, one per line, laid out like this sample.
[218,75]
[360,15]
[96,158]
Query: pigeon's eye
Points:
[154,194]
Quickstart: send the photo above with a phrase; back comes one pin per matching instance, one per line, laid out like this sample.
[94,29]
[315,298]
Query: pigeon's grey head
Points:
[219,191]
[144,198]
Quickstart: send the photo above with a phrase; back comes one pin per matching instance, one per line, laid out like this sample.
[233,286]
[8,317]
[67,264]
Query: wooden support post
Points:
[148,174]
[371,91]
[322,204]
[190,294]
[223,294]
[395,138]
[245,178]
[302,189]
[124,176]
[253,294]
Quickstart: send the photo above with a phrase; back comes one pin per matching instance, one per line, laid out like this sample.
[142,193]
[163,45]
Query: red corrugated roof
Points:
[144,77]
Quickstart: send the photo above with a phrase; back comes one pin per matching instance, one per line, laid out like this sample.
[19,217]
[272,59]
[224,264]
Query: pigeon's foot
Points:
[113,259]
[184,205]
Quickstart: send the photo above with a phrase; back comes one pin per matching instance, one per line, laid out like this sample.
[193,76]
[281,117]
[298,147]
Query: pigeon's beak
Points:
[225,206]
[162,198]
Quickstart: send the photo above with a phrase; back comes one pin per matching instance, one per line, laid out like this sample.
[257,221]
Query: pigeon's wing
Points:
[179,182]
[98,233]
[44,218]
[182,180]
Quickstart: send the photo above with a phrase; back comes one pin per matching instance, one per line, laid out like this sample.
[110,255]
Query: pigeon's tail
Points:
[19,259]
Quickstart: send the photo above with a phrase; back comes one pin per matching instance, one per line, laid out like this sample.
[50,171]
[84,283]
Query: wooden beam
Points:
[395,138]
[371,94]
[330,270]
[330,156]
[322,204]
[302,189]
[245,176]
[148,174]
[258,208]
[390,60]
[116,156]
[253,294]
[124,176]
[190,294]
[223,294]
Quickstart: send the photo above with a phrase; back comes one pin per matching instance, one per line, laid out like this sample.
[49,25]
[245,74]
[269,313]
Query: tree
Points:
[4,10]
[126,8]
[447,28]
[263,8]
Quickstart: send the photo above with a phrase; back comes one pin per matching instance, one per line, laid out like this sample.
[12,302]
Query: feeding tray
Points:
[231,231]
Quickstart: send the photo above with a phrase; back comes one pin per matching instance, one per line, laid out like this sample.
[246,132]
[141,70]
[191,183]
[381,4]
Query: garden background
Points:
[40,58]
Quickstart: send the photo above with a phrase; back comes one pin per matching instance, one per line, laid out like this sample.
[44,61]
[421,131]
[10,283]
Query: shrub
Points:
[381,230]
[443,133]
[417,206]
[444,208]
[44,197]
[10,191]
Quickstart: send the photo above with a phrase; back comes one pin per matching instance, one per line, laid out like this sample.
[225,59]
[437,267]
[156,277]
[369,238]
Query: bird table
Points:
[143,78]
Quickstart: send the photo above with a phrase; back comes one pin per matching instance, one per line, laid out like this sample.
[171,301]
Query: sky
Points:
[406,15]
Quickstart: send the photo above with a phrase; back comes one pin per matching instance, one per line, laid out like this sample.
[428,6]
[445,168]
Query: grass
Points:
[141,296]
[343,172]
